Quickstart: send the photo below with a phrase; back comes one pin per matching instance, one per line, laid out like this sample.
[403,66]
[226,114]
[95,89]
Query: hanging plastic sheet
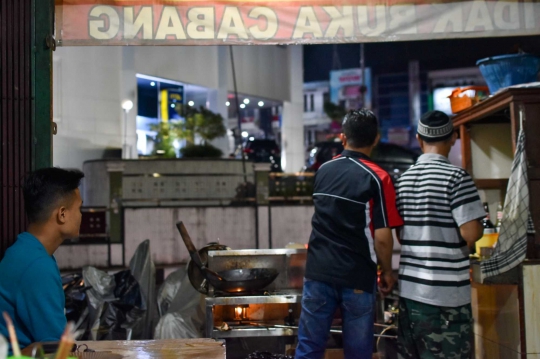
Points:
[185,315]
[143,269]
[219,22]
[169,288]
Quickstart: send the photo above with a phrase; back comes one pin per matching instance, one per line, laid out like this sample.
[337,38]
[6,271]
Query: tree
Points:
[334,112]
[203,123]
[163,143]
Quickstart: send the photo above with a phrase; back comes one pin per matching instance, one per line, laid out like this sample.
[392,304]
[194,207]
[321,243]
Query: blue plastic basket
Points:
[507,70]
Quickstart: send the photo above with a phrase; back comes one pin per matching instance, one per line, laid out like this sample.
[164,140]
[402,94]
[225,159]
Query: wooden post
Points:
[466,157]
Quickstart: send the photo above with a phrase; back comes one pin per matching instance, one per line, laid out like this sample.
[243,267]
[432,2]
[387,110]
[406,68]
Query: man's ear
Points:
[420,142]
[454,138]
[61,214]
[343,139]
[377,139]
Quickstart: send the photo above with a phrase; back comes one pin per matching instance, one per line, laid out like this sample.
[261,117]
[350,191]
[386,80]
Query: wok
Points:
[196,276]
[233,280]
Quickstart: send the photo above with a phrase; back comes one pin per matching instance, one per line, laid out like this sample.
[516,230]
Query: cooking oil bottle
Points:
[489,239]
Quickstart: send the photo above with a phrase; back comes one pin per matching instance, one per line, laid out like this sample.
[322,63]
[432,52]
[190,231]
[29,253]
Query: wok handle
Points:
[193,253]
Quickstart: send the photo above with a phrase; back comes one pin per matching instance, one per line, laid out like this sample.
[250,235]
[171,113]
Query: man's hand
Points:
[471,232]
[384,243]
[386,283]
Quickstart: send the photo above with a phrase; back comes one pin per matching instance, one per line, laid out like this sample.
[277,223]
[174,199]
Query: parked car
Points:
[265,151]
[392,158]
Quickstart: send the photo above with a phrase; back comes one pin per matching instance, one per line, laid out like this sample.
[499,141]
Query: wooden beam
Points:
[491,183]
[466,157]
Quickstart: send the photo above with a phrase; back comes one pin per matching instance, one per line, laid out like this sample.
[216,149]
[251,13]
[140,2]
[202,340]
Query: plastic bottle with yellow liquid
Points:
[489,239]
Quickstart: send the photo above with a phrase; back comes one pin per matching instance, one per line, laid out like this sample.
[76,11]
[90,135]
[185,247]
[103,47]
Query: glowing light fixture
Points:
[127,105]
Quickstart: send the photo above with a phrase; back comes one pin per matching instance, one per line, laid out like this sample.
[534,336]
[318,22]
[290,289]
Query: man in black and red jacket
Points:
[355,210]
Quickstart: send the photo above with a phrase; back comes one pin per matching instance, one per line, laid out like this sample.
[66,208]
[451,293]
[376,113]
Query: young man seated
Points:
[30,285]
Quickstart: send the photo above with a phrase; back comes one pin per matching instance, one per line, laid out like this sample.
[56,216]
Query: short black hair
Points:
[361,128]
[43,189]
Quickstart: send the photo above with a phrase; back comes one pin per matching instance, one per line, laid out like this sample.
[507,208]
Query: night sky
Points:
[393,57]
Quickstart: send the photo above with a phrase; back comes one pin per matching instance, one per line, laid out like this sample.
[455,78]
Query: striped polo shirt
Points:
[434,199]
[352,197]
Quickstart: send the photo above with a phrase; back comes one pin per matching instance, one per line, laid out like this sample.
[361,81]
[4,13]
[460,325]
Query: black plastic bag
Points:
[121,315]
[75,295]
[115,304]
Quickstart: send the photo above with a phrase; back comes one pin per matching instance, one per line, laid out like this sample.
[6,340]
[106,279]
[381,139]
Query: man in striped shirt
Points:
[440,206]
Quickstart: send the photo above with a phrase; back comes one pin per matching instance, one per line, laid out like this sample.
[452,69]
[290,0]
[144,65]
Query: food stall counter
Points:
[161,349]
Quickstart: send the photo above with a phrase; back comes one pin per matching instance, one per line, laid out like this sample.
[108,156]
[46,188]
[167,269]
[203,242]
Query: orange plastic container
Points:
[459,100]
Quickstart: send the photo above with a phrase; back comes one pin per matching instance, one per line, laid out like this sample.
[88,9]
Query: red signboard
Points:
[204,22]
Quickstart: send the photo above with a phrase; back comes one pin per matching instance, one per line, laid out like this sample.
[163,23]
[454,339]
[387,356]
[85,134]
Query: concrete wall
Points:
[263,71]
[191,64]
[87,101]
[491,158]
[292,151]
[78,256]
[90,84]
[232,226]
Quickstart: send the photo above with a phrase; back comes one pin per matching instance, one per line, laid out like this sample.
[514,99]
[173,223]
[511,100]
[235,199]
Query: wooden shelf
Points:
[496,104]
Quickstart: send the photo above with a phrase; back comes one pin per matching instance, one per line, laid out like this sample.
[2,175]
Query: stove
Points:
[273,311]
[267,314]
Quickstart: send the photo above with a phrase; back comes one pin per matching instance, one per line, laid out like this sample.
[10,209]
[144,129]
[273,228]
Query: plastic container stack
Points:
[507,70]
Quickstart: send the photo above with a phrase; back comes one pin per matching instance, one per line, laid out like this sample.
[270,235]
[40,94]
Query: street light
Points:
[127,105]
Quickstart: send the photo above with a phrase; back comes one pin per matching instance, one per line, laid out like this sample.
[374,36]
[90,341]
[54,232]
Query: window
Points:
[312,103]
[305,103]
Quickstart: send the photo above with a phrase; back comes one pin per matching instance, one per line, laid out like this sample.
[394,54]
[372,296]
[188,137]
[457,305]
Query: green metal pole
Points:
[43,46]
